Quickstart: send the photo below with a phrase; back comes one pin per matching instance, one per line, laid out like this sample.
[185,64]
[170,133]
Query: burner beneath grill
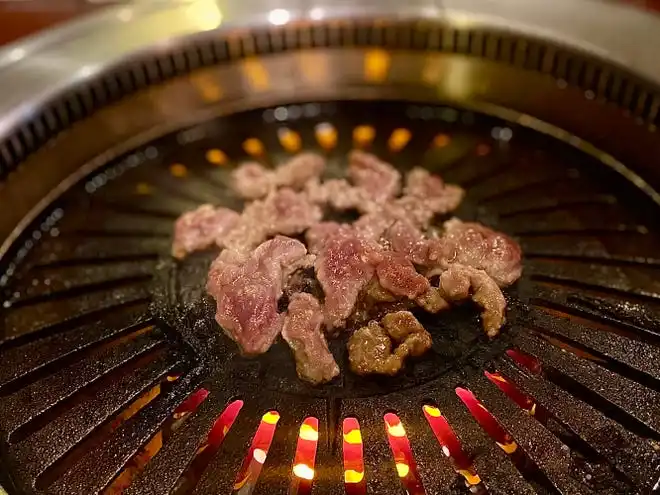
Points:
[115,372]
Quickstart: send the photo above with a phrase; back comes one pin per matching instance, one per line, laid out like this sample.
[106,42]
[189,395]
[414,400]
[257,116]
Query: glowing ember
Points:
[308,432]
[259,455]
[256,457]
[396,430]
[402,469]
[353,437]
[487,421]
[525,361]
[303,471]
[305,458]
[191,403]
[271,417]
[399,139]
[326,135]
[522,400]
[451,446]
[351,476]
[403,457]
[354,482]
[363,135]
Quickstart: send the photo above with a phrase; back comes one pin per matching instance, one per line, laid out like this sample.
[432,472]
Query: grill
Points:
[115,377]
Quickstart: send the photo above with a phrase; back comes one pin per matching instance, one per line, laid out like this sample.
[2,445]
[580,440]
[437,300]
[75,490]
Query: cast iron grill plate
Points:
[104,336]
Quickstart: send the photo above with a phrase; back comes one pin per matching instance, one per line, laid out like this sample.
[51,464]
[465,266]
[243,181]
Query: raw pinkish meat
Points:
[253,181]
[299,170]
[462,282]
[398,275]
[475,245]
[373,225]
[246,289]
[318,234]
[406,239]
[380,180]
[289,213]
[344,266]
[302,331]
[430,188]
[198,229]
[283,212]
[337,193]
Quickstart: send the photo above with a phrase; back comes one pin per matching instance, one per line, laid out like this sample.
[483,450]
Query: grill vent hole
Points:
[451,448]
[208,449]
[248,474]
[527,467]
[354,480]
[403,457]
[56,470]
[302,471]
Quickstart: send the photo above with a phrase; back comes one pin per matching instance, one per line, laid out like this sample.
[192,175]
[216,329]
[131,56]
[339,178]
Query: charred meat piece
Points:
[475,245]
[283,212]
[370,352]
[302,331]
[344,266]
[197,229]
[462,282]
[247,287]
[370,347]
[409,333]
[252,180]
[433,300]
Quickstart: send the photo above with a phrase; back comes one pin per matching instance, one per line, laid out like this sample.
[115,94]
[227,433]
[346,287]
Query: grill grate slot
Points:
[380,468]
[46,450]
[56,351]
[404,461]
[625,394]
[165,469]
[96,470]
[497,472]
[45,318]
[634,359]
[543,448]
[433,469]
[276,476]
[615,444]
[221,472]
[60,389]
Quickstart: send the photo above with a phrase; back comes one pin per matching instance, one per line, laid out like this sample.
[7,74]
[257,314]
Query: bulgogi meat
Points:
[377,268]
[370,348]
[198,229]
[304,334]
[247,288]
[252,180]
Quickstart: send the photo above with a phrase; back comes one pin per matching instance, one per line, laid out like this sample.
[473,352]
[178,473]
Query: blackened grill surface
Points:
[96,315]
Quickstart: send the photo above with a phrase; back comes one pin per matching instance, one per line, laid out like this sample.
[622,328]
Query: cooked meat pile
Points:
[366,275]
